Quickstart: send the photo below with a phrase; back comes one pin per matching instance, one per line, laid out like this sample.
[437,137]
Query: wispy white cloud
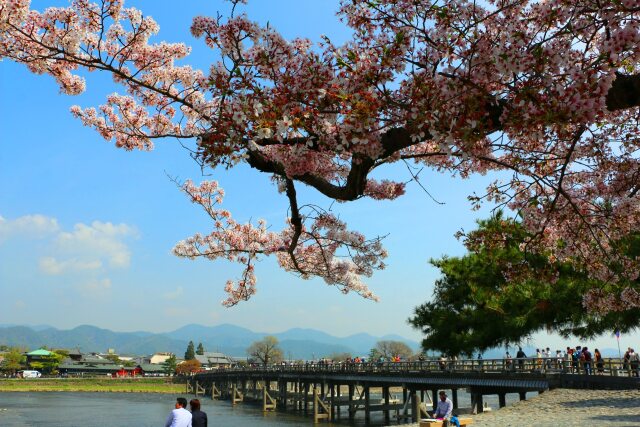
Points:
[172,295]
[28,227]
[82,257]
[50,265]
[100,240]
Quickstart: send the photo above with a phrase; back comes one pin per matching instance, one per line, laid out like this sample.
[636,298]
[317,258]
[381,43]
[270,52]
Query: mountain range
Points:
[232,340]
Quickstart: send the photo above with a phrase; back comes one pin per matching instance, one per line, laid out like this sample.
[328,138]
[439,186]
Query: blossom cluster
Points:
[530,88]
[326,248]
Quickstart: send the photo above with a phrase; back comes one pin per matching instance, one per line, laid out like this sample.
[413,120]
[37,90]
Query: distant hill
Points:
[229,339]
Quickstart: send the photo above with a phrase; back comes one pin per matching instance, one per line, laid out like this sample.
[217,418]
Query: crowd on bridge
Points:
[572,360]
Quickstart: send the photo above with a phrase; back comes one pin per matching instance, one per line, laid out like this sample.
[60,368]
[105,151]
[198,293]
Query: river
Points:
[69,409]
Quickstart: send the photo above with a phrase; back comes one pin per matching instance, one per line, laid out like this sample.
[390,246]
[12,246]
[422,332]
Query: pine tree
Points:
[200,349]
[190,354]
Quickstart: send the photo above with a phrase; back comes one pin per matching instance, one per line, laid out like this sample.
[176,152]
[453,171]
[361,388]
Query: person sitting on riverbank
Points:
[198,418]
[444,411]
[179,417]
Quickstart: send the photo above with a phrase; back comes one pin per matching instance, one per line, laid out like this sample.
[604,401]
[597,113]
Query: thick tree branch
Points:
[624,94]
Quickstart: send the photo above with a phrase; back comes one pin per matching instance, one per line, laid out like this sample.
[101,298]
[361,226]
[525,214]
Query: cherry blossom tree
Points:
[547,91]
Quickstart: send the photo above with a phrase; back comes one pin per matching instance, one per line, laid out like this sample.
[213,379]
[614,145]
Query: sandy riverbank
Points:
[562,407]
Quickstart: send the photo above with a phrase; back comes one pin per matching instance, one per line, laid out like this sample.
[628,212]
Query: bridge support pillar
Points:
[367,405]
[454,398]
[306,397]
[320,410]
[523,395]
[351,393]
[434,398]
[385,395]
[476,403]
[332,393]
[215,392]
[415,409]
[502,400]
[283,394]
[338,397]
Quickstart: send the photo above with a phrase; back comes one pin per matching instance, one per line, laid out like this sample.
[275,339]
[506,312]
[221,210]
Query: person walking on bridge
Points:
[520,356]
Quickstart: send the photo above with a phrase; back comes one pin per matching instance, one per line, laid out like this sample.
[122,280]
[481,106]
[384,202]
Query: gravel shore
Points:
[564,407]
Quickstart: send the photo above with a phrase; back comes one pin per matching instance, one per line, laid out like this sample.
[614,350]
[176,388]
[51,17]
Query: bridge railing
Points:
[534,365]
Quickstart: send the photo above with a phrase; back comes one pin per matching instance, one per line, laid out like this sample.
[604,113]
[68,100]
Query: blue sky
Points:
[86,229]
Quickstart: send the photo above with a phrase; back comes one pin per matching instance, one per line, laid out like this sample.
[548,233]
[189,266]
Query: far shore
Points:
[105,385]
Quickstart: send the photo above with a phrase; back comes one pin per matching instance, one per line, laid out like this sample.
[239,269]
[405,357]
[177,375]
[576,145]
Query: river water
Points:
[139,410]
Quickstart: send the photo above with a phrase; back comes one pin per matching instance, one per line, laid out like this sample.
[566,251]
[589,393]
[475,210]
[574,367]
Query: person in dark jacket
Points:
[198,418]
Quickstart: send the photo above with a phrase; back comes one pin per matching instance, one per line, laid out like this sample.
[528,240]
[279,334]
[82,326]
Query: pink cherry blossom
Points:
[544,91]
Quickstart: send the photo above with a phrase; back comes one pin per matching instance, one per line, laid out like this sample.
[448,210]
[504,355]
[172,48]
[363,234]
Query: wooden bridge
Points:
[402,390]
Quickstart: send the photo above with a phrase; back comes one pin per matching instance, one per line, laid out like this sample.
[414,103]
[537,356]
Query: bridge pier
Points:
[477,406]
[502,400]
[351,393]
[434,398]
[306,398]
[523,395]
[454,397]
[385,394]
[415,410]
[367,405]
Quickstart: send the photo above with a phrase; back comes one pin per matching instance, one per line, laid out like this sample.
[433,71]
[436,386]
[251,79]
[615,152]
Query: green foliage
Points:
[169,365]
[62,352]
[190,354]
[499,294]
[200,349]
[48,365]
[14,360]
[374,355]
[114,358]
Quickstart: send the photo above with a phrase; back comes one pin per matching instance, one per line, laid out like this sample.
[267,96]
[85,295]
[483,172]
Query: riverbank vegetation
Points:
[113,385]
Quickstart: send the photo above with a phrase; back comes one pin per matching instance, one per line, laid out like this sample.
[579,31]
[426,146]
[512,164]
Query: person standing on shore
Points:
[198,418]
[179,417]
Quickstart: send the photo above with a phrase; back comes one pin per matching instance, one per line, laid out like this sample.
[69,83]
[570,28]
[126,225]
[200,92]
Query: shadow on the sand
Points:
[632,420]
[608,402]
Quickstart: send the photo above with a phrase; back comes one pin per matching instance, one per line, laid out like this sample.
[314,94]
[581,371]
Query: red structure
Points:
[128,372]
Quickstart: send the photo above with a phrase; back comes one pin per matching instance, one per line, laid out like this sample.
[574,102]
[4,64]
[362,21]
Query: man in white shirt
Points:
[444,408]
[179,417]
